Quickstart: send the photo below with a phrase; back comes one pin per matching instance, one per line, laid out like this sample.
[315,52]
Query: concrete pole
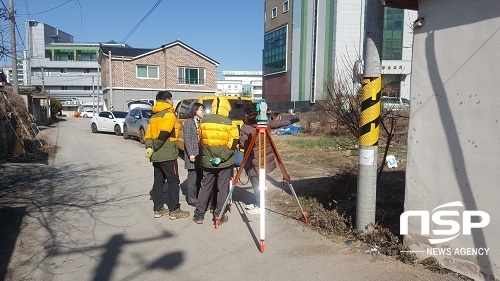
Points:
[123,85]
[43,81]
[93,97]
[12,20]
[110,84]
[98,86]
[27,54]
[370,117]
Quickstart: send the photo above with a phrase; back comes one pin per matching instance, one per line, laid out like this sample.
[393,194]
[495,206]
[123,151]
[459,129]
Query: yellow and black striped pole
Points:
[370,111]
[370,117]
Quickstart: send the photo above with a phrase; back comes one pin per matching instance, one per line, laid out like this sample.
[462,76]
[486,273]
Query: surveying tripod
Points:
[262,135]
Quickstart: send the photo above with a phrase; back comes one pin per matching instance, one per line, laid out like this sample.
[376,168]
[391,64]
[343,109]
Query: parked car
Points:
[108,121]
[87,113]
[236,114]
[131,104]
[394,103]
[136,122]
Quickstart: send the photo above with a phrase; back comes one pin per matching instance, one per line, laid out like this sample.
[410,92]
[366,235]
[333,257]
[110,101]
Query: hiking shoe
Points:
[254,211]
[162,212]
[178,214]
[198,220]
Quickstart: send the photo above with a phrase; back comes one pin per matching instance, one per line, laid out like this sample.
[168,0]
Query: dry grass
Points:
[324,177]
[35,143]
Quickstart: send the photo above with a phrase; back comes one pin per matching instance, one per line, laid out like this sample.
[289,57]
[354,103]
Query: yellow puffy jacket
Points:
[163,119]
[218,135]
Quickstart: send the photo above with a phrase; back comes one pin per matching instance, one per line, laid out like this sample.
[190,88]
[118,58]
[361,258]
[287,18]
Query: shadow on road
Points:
[52,208]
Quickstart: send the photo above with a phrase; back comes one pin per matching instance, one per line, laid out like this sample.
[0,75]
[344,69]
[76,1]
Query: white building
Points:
[63,69]
[7,70]
[243,83]
[309,43]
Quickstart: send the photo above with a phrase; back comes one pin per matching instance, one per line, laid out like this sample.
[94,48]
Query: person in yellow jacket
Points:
[218,139]
[162,150]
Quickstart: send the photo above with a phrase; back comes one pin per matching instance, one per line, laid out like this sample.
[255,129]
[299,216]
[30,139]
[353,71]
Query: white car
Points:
[395,103]
[108,121]
[87,114]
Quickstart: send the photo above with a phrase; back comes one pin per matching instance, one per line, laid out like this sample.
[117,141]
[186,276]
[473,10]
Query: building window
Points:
[63,55]
[86,55]
[147,71]
[86,70]
[274,12]
[48,54]
[285,6]
[275,46]
[64,88]
[64,70]
[86,88]
[392,46]
[194,76]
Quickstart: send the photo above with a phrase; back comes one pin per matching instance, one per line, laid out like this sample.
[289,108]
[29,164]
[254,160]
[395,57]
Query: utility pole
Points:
[110,83]
[98,85]
[28,53]
[43,81]
[370,117]
[93,97]
[12,20]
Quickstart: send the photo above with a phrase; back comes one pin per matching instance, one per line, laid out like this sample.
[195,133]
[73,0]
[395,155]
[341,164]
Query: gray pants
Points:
[256,191]
[210,176]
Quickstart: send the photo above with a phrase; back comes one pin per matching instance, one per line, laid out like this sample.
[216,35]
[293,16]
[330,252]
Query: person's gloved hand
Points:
[215,161]
[149,152]
[294,120]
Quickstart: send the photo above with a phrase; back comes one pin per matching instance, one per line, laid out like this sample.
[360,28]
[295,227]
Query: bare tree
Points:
[342,101]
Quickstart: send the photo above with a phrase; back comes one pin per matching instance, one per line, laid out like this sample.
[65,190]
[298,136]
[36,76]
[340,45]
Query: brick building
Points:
[138,74]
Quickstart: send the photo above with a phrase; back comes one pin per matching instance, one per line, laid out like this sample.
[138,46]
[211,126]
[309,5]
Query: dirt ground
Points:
[329,176]
[325,180]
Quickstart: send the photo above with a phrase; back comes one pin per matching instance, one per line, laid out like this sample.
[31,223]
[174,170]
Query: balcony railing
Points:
[191,81]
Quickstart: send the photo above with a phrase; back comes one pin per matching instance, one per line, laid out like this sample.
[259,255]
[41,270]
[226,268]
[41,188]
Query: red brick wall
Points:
[276,87]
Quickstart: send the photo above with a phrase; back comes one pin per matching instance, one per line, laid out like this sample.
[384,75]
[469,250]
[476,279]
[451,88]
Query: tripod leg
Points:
[262,188]
[286,177]
[226,202]
[304,217]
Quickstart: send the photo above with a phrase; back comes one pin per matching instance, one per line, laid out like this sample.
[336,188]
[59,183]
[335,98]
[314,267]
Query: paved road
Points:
[85,214]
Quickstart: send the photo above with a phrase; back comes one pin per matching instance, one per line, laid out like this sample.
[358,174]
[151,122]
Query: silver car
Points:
[136,122]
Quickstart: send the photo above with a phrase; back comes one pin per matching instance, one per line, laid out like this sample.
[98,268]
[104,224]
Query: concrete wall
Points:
[454,130]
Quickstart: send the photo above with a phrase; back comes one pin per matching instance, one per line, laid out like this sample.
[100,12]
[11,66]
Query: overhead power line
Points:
[141,21]
[47,10]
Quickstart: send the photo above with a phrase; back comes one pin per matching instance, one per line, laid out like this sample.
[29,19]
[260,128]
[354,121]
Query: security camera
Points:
[419,22]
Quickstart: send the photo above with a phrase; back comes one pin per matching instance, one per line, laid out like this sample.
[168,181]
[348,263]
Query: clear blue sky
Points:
[228,31]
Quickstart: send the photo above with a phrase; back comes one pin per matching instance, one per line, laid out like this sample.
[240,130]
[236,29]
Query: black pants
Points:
[210,176]
[168,171]
[193,185]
